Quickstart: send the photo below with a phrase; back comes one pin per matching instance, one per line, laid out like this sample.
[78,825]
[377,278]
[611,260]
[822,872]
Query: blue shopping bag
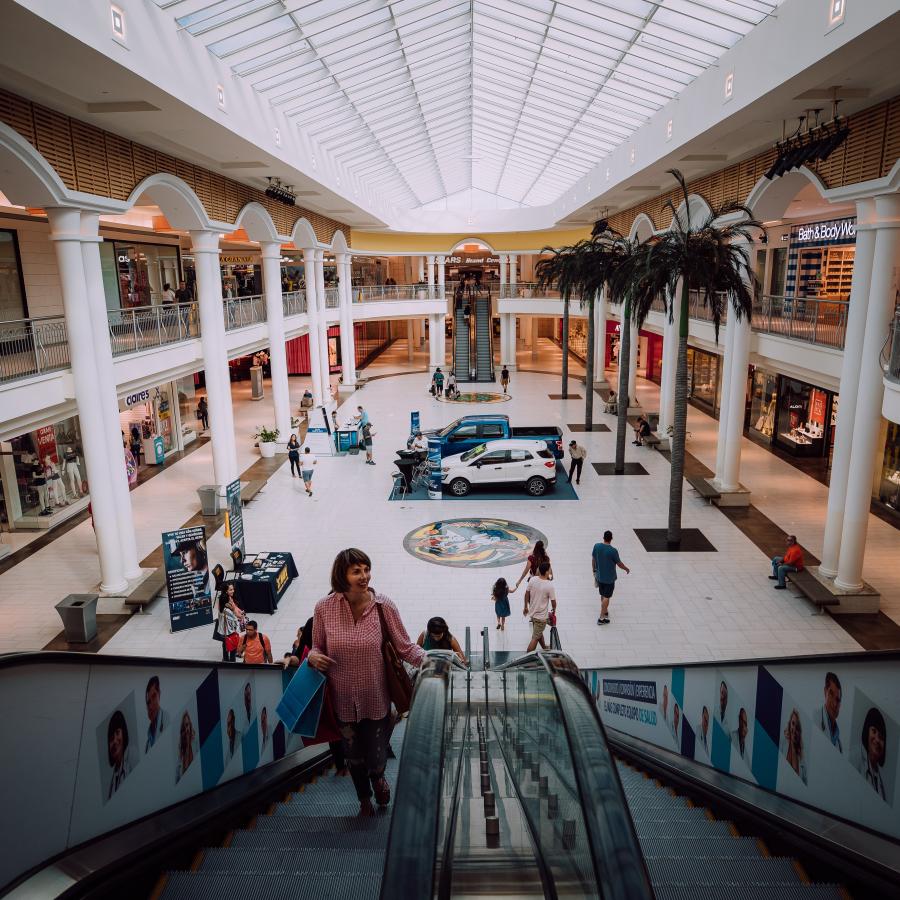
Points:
[301,705]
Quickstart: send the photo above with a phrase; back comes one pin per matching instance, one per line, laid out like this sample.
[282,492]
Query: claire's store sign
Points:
[838,230]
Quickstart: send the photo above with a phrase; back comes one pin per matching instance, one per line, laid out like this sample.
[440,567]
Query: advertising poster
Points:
[234,516]
[434,468]
[414,423]
[46,445]
[187,577]
[824,734]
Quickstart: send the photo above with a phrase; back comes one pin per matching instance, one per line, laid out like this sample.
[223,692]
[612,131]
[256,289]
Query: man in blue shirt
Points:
[605,560]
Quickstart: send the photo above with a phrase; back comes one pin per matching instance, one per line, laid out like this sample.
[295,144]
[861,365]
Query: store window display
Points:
[889,487]
[12,290]
[763,400]
[803,412]
[187,406]
[134,274]
[703,378]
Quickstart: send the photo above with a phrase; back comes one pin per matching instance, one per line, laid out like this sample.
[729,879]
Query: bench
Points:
[147,591]
[306,403]
[703,488]
[651,440]
[251,490]
[813,589]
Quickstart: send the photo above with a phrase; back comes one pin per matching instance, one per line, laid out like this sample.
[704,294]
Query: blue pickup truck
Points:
[470,431]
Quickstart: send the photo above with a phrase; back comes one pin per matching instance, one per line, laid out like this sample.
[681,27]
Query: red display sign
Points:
[46,444]
[817,402]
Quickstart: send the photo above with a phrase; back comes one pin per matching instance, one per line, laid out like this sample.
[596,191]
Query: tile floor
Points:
[684,607]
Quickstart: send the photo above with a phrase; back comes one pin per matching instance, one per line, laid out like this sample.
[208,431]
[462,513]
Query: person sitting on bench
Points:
[792,561]
[611,405]
[641,430]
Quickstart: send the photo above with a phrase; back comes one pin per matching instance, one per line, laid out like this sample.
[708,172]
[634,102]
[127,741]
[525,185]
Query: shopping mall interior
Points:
[325,324]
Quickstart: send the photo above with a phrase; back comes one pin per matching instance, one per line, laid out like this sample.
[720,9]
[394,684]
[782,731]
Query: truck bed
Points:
[537,432]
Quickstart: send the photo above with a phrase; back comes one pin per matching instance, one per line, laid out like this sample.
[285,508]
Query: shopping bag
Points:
[328,729]
[301,705]
[554,639]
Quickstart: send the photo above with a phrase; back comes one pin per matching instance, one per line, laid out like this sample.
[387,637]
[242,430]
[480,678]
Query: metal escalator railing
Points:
[556,753]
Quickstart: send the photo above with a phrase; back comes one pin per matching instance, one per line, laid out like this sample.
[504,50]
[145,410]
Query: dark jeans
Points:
[365,749]
[295,462]
[575,466]
[204,420]
[226,656]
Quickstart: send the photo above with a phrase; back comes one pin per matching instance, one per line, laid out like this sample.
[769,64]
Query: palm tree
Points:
[560,268]
[711,260]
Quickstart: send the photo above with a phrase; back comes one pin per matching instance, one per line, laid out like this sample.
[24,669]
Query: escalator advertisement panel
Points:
[825,733]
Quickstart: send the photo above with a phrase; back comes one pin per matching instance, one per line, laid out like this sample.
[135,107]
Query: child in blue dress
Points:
[500,595]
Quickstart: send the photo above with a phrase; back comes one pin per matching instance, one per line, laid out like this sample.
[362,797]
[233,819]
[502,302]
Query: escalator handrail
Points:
[411,854]
[618,862]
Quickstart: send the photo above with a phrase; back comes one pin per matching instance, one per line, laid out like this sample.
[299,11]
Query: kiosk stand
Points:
[319,437]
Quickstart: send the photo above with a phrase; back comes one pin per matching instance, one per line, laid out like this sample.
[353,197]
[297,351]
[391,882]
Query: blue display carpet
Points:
[562,491]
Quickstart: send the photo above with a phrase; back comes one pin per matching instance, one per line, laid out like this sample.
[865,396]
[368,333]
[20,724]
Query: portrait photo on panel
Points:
[187,743]
[118,747]
[873,745]
[795,740]
[157,721]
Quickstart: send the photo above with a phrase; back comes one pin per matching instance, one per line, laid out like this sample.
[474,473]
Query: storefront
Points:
[820,259]
[804,418]
[12,287]
[187,409]
[241,274]
[888,488]
[134,273]
[43,476]
[703,382]
[763,401]
[150,423]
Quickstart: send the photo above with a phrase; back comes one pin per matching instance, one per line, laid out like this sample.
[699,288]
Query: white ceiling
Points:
[508,103]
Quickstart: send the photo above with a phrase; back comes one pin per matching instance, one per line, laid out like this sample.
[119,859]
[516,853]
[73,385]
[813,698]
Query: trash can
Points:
[79,617]
[209,499]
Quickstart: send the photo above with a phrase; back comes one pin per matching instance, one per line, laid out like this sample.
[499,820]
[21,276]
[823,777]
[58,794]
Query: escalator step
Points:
[344,885]
[316,824]
[661,809]
[687,871]
[249,860]
[672,828]
[752,892]
[700,847]
[326,804]
[295,840]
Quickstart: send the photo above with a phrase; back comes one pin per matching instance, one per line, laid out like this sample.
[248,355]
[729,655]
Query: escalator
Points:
[461,348]
[484,351]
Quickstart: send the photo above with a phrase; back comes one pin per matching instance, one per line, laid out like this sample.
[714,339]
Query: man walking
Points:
[605,560]
[792,561]
[438,381]
[578,455]
[541,595]
[504,379]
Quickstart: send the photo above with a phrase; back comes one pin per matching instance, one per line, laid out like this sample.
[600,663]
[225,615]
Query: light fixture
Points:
[729,85]
[836,11]
[815,144]
[669,130]
[631,156]
[277,137]
[220,96]
[117,21]
[281,192]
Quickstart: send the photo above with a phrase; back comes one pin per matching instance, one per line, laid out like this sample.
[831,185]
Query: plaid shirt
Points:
[358,686]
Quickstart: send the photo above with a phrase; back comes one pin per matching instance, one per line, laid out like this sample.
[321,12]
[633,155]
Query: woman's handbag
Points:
[398,681]
[217,635]
[232,642]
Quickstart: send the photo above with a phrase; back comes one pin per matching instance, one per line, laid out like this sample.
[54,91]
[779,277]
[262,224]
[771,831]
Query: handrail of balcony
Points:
[293,302]
[527,290]
[30,347]
[332,298]
[373,293]
[243,311]
[891,354]
[141,327]
[812,320]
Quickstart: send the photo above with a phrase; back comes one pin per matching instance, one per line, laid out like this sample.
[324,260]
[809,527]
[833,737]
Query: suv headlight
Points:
[445,470]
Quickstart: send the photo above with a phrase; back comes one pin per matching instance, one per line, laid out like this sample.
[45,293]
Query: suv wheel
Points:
[536,486]
[459,487]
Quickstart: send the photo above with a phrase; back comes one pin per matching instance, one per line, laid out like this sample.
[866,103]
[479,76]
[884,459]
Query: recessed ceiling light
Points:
[277,137]
[729,85]
[117,21]
[836,11]
[220,96]
[669,130]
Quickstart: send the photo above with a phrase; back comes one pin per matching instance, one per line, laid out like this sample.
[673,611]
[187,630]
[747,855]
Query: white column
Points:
[504,339]
[724,408]
[867,421]
[421,264]
[442,277]
[736,400]
[429,269]
[512,274]
[312,319]
[65,233]
[503,270]
[323,324]
[281,399]
[205,249]
[436,340]
[853,350]
[600,307]
[410,339]
[348,342]
[669,364]
[107,397]
[632,363]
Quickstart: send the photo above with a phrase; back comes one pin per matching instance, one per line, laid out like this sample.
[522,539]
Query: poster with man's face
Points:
[187,577]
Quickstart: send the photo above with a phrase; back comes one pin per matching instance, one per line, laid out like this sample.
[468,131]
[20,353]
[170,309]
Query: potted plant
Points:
[266,438]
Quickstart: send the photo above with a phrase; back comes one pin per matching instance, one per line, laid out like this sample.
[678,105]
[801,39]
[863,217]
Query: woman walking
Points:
[500,595]
[307,464]
[293,448]
[349,627]
[230,623]
[535,558]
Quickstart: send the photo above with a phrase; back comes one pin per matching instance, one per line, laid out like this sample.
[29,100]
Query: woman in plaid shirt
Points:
[347,640]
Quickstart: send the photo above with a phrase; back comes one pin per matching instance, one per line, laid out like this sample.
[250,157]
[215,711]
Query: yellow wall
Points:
[501,242]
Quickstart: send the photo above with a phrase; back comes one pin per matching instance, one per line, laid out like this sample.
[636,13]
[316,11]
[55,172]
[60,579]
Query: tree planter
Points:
[267,449]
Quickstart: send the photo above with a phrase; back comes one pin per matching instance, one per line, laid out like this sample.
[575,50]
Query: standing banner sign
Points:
[187,577]
[234,516]
[434,467]
[414,424]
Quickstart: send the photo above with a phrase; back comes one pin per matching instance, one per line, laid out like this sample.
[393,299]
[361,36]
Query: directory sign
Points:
[234,516]
[187,577]
[434,467]
[414,423]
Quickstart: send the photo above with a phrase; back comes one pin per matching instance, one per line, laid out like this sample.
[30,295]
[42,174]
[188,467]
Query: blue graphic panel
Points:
[764,764]
[250,747]
[720,755]
[212,761]
[678,686]
[688,739]
[208,705]
[769,697]
[278,741]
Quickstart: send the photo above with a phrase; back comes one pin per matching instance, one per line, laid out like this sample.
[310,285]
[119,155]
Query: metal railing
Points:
[332,298]
[31,347]
[293,302]
[141,327]
[891,354]
[807,319]
[527,290]
[243,311]
[374,293]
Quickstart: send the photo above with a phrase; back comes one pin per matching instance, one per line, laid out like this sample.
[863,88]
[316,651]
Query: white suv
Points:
[501,462]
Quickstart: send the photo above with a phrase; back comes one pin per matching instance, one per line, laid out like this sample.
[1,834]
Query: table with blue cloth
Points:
[260,588]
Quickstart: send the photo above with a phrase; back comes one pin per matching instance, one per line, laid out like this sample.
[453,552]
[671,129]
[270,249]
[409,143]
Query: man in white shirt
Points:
[420,445]
[540,597]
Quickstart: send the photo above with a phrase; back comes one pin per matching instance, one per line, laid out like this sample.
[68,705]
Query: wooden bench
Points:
[703,488]
[651,440]
[813,589]
[147,591]
[251,490]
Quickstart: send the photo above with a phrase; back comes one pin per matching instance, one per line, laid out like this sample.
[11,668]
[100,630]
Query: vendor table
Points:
[260,589]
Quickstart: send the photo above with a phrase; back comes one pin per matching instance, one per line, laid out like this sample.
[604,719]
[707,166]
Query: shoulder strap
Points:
[384,630]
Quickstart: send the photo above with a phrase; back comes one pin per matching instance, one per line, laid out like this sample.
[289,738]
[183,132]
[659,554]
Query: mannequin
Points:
[39,483]
[72,472]
[55,488]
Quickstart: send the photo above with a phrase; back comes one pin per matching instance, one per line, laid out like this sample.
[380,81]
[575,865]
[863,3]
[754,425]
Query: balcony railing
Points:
[332,298]
[527,290]
[807,319]
[32,346]
[293,302]
[376,292]
[142,327]
[891,356]
[243,311]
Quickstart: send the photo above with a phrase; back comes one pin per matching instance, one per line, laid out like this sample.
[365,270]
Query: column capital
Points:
[309,253]
[503,257]
[430,259]
[441,260]
[205,242]
[270,249]
[320,255]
